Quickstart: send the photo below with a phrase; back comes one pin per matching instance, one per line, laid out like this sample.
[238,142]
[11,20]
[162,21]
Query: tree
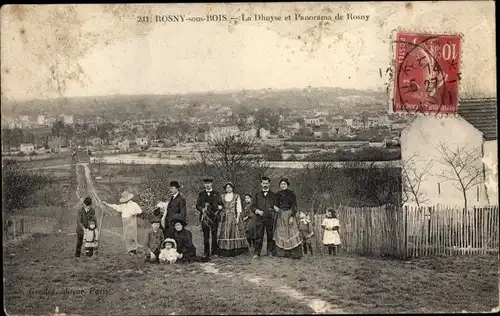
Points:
[268,119]
[463,167]
[20,185]
[272,153]
[58,128]
[413,177]
[231,155]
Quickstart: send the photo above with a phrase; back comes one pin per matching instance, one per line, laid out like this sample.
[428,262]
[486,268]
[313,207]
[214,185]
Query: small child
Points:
[249,221]
[306,231]
[331,237]
[91,239]
[154,239]
[169,251]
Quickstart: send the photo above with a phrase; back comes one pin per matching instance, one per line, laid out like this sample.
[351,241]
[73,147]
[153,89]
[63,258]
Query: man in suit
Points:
[209,204]
[263,207]
[176,209]
[85,214]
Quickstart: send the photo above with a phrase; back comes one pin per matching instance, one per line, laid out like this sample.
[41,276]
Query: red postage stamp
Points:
[427,73]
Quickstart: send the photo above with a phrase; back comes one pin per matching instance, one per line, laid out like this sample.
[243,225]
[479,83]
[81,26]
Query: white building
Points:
[41,120]
[223,131]
[264,133]
[251,133]
[142,141]
[482,114]
[313,121]
[68,119]
[27,148]
[428,143]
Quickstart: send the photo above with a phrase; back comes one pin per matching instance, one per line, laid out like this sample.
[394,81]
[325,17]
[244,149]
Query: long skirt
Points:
[287,237]
[231,240]
[130,232]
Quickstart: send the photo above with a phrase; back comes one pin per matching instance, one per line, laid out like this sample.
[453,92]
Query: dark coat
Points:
[83,218]
[286,200]
[154,240]
[214,200]
[177,209]
[265,204]
[184,240]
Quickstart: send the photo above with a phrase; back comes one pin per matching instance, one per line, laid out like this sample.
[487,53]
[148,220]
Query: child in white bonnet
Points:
[169,252]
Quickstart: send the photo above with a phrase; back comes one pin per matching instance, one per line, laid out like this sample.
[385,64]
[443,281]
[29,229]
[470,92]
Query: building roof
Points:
[482,114]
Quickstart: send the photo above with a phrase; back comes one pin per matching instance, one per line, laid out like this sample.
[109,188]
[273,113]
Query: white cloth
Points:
[130,232]
[162,205]
[331,237]
[169,255]
[127,209]
[228,197]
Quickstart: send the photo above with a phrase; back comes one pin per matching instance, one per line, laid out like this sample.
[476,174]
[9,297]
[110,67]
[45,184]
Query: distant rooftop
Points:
[482,114]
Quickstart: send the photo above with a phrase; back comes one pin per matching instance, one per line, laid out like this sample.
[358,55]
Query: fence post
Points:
[406,231]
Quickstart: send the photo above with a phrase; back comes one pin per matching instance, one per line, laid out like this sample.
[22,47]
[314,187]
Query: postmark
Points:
[427,73]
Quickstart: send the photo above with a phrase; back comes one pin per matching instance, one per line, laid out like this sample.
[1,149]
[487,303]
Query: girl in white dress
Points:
[331,237]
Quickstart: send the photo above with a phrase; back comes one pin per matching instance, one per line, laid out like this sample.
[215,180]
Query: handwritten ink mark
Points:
[452,64]
[407,68]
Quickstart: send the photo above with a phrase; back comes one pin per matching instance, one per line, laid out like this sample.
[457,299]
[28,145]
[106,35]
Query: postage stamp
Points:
[427,73]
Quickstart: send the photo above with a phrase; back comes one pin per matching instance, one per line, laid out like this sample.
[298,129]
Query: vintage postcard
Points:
[249,158]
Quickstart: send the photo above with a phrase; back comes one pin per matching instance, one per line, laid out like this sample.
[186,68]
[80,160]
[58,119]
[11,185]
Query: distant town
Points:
[282,127]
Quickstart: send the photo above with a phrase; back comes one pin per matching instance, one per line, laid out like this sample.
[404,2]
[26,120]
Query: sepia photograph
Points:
[249,158]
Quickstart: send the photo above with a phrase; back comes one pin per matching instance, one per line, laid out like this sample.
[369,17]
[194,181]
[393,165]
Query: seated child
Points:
[306,231]
[91,239]
[331,237]
[169,252]
[154,240]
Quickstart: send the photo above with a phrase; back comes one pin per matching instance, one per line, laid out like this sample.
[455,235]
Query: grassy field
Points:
[40,275]
[124,285]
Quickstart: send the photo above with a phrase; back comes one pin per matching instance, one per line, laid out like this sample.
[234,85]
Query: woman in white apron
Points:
[129,210]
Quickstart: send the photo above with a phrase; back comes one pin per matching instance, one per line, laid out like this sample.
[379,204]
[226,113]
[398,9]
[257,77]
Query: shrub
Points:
[20,185]
[21,154]
[142,155]
[272,153]
[33,153]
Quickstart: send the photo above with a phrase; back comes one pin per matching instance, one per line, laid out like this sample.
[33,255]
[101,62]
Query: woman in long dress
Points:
[129,210]
[231,240]
[286,233]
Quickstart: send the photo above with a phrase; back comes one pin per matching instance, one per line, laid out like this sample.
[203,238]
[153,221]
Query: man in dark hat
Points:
[176,208]
[209,204]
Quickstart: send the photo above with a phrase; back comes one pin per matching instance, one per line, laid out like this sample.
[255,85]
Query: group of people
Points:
[231,224]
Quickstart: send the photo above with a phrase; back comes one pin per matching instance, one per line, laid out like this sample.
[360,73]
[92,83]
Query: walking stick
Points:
[100,228]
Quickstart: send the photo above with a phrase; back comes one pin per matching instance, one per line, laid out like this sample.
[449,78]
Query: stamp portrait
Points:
[427,73]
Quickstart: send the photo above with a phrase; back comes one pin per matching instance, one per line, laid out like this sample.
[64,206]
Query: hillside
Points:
[151,105]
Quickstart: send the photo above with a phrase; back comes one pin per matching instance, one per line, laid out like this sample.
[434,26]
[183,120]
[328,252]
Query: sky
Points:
[76,50]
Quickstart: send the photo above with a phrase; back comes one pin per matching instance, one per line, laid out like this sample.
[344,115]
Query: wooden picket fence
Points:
[414,232]
[447,230]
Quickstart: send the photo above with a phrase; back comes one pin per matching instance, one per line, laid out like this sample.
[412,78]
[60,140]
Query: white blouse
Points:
[229,196]
[128,209]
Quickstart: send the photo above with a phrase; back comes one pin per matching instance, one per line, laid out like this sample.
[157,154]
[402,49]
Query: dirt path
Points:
[316,304]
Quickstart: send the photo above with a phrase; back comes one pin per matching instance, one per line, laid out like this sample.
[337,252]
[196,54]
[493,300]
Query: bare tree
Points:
[413,176]
[464,167]
[232,154]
